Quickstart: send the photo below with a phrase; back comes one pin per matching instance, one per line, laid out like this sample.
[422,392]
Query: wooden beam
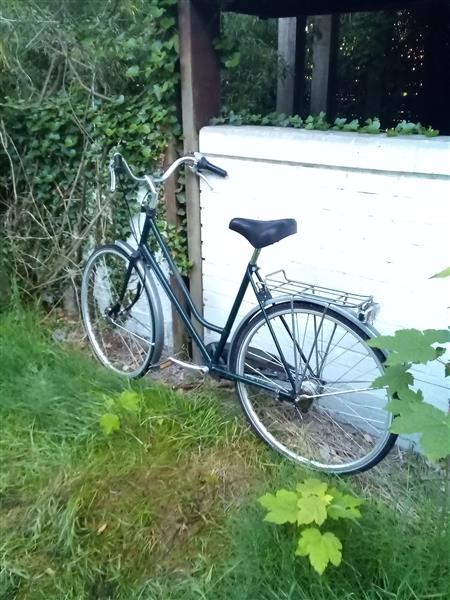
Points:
[287,38]
[323,53]
[435,24]
[200,101]
[178,330]
[291,48]
[300,53]
[290,8]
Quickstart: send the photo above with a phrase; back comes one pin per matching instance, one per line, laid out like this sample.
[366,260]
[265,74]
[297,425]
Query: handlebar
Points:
[196,162]
[205,165]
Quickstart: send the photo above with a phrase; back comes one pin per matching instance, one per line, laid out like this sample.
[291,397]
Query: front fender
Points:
[147,276]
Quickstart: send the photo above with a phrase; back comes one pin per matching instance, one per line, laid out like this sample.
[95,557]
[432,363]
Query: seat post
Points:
[255,256]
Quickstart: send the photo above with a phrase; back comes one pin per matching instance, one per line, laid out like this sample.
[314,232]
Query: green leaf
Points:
[130,400]
[447,369]
[132,72]
[410,396]
[412,345]
[430,132]
[282,508]
[339,122]
[438,336]
[444,273]
[312,502]
[233,61]
[395,377]
[343,506]
[312,509]
[432,423]
[352,126]
[371,126]
[312,487]
[321,548]
[109,402]
[109,422]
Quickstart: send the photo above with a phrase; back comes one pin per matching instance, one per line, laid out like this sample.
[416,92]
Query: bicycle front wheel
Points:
[337,422]
[121,324]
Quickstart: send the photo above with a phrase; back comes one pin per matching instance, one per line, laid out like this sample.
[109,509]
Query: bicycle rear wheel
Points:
[337,422]
[125,332]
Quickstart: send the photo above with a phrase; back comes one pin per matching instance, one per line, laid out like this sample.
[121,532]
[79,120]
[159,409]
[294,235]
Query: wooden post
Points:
[291,48]
[170,197]
[200,101]
[434,22]
[287,34]
[324,50]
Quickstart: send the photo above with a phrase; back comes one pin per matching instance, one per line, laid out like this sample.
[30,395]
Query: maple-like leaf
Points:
[109,422]
[312,502]
[395,377]
[408,395]
[432,423]
[312,509]
[412,345]
[130,401]
[281,507]
[313,487]
[401,404]
[321,548]
[343,506]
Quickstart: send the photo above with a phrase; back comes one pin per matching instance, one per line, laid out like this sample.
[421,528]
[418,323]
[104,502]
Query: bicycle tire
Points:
[336,425]
[131,339]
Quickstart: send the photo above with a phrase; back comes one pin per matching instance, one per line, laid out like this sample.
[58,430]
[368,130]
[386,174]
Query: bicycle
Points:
[299,360]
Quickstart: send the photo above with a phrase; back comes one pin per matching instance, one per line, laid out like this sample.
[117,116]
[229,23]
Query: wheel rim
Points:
[122,340]
[333,426]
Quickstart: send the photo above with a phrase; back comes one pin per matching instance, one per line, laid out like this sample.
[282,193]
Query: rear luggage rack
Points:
[279,284]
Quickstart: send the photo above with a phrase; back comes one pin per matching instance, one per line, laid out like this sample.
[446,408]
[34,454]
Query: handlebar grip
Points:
[205,165]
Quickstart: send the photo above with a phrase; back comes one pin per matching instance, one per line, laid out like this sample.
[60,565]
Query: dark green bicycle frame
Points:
[213,359]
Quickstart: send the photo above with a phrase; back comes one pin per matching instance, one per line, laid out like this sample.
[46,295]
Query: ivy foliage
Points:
[79,79]
[319,122]
[311,504]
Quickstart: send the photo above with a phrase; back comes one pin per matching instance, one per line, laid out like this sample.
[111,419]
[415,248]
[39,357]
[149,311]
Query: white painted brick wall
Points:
[373,217]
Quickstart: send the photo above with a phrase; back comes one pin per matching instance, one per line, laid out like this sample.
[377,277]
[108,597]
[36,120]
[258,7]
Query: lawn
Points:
[166,507]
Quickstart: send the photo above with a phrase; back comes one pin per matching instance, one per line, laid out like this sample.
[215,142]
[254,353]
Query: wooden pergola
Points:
[199,25]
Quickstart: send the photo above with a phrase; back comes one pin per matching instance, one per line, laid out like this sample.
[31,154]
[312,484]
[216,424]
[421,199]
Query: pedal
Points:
[185,365]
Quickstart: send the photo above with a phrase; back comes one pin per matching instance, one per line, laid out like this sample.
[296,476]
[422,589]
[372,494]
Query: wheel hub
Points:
[307,393]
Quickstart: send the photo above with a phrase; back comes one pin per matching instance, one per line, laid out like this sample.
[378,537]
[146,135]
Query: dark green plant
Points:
[320,123]
[248,49]
[100,75]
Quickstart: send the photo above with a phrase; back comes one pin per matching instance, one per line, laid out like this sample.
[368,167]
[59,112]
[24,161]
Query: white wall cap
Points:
[403,154]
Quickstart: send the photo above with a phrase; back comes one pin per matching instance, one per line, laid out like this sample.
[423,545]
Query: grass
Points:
[166,507]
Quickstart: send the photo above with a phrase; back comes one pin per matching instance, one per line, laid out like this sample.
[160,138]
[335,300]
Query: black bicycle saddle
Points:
[264,233]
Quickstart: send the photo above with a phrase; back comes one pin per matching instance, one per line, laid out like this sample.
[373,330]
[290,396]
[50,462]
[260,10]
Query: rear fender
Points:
[347,314]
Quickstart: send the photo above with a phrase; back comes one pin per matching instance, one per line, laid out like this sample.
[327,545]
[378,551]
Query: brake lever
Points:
[194,170]
[205,179]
